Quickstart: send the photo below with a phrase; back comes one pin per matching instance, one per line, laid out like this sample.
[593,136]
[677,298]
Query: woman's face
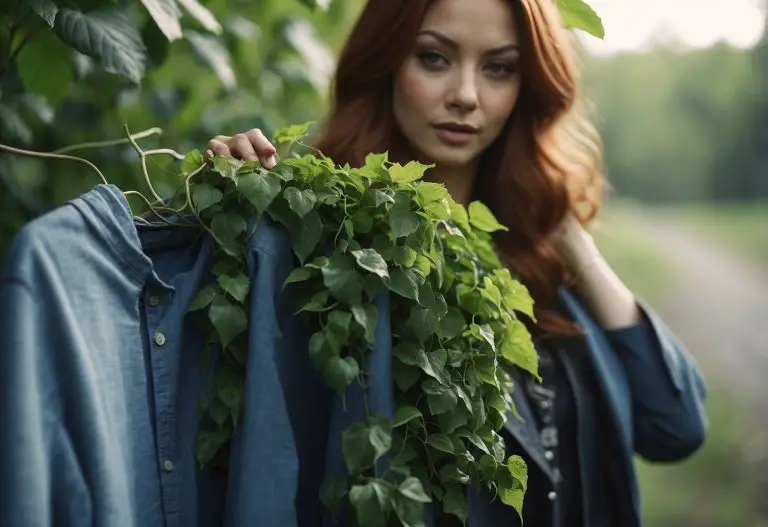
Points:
[457,89]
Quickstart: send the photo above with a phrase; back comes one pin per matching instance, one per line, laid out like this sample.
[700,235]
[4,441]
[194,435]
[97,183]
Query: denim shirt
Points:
[102,383]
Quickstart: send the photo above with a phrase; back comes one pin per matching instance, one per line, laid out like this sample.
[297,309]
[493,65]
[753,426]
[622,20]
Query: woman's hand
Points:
[248,146]
[575,245]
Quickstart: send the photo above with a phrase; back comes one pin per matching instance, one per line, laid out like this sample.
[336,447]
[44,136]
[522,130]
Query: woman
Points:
[487,90]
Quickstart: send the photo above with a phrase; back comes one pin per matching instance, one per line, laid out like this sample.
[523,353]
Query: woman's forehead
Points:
[473,23]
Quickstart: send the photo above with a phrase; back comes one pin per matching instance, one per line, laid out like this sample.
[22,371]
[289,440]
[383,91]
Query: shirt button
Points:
[549,455]
[154,300]
[551,496]
[160,339]
[167,465]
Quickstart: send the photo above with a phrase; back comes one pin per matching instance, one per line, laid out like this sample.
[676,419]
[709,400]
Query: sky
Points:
[635,24]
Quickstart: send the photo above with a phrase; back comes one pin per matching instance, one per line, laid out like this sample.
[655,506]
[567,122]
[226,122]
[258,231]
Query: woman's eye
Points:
[501,69]
[432,59]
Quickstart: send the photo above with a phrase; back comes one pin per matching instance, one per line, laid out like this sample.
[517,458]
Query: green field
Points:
[742,227]
[718,486]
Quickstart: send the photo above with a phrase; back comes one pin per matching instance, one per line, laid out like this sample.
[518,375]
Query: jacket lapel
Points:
[524,431]
[609,371]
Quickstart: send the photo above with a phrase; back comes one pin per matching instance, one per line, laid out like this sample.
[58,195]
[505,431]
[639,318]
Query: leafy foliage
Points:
[358,232]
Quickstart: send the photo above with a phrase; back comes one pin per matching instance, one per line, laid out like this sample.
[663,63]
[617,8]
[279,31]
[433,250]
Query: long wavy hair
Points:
[545,162]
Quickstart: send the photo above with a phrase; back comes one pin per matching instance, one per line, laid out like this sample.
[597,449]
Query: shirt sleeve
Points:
[40,475]
[668,390]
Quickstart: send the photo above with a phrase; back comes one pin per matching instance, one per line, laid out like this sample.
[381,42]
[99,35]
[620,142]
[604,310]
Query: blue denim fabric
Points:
[102,383]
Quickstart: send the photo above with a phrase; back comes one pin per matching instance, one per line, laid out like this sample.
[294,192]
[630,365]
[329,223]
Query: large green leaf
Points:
[166,15]
[46,68]
[45,9]
[201,13]
[107,35]
[579,15]
[211,52]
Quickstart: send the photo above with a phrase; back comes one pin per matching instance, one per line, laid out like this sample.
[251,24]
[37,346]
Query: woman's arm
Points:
[610,301]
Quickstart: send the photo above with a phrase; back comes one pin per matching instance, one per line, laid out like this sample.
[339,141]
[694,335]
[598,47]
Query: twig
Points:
[143,158]
[50,155]
[112,142]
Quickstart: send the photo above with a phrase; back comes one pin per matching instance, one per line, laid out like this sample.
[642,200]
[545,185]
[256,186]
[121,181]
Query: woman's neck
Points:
[459,180]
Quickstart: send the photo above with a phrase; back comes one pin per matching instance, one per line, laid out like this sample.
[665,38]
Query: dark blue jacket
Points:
[653,395]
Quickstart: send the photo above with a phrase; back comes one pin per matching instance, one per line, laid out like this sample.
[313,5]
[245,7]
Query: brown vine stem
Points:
[50,155]
[113,142]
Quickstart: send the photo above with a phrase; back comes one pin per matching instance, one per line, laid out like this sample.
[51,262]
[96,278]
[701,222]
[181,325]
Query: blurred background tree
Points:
[686,150]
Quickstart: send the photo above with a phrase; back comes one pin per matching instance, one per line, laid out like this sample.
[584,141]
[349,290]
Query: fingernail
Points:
[271,162]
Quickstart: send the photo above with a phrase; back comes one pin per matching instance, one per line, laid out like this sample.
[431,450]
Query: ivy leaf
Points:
[485,333]
[481,218]
[300,201]
[107,35]
[452,324]
[316,303]
[403,222]
[406,414]
[342,281]
[308,236]
[404,256]
[442,402]
[370,502]
[380,434]
[293,133]
[372,261]
[203,298]
[579,15]
[210,442]
[513,495]
[260,188]
[423,322]
[514,294]
[433,364]
[332,491]
[405,376]
[229,320]
[237,286]
[300,274]
[340,372]
[412,489]
[517,348]
[45,9]
[429,192]
[406,282]
[408,173]
[358,448]
[192,161]
[455,502]
[440,442]
[409,512]
[204,195]
[227,227]
[367,316]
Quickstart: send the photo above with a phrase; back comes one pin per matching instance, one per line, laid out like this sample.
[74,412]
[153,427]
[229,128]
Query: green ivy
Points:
[358,232]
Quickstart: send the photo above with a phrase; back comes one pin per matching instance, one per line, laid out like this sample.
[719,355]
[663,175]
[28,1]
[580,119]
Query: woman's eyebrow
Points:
[452,43]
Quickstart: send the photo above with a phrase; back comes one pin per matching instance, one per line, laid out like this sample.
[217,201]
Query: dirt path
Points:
[718,305]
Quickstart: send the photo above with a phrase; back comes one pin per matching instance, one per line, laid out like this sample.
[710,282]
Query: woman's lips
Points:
[454,135]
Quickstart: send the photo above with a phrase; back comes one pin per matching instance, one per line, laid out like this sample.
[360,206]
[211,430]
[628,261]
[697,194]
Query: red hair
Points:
[545,162]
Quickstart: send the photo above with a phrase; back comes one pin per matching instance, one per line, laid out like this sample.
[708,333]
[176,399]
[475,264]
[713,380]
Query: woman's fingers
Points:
[219,145]
[248,146]
[241,147]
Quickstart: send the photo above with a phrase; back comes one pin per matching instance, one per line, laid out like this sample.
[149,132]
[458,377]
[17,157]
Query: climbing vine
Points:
[358,233]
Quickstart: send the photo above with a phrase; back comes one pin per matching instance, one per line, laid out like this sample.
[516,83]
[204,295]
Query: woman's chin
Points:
[448,156]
